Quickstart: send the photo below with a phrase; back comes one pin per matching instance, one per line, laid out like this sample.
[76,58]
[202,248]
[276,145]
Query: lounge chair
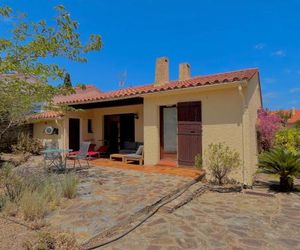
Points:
[137,156]
[82,155]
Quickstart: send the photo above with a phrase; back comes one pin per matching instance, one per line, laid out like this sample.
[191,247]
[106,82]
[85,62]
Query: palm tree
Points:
[281,162]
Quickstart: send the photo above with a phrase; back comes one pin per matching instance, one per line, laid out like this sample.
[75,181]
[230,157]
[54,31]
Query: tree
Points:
[267,125]
[281,162]
[67,81]
[24,73]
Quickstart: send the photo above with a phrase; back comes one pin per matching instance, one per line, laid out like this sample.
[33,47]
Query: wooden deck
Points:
[171,170]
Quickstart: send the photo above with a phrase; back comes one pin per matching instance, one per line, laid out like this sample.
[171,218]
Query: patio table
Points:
[56,158]
[117,156]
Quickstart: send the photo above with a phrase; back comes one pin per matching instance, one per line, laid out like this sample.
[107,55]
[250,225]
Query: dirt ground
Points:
[14,235]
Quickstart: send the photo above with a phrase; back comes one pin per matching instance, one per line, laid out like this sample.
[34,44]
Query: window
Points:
[90,126]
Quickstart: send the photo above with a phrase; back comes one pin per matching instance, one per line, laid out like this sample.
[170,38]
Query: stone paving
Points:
[108,195]
[221,221]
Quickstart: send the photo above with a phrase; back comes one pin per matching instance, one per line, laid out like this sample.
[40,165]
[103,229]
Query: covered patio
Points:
[116,124]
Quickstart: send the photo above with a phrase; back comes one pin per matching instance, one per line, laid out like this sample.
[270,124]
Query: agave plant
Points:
[281,162]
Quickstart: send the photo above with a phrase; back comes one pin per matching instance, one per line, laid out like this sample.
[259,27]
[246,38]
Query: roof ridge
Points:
[192,78]
[197,81]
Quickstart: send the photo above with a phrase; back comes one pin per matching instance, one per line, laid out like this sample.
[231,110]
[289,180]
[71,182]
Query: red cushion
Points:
[92,153]
[74,153]
[102,149]
[92,147]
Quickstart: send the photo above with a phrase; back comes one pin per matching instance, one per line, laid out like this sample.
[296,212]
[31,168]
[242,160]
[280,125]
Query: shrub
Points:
[26,144]
[33,205]
[198,161]
[221,160]
[69,186]
[288,138]
[11,182]
[281,162]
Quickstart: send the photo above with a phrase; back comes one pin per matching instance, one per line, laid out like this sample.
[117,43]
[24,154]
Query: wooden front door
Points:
[74,134]
[189,132]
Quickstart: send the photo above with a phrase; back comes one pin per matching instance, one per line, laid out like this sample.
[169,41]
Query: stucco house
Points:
[175,120]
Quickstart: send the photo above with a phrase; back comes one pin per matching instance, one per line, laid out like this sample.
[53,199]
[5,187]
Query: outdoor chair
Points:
[137,156]
[91,152]
[82,154]
[52,157]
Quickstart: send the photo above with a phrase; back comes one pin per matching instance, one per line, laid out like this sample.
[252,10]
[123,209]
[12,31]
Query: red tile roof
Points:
[295,117]
[295,114]
[92,94]
[89,93]
[46,115]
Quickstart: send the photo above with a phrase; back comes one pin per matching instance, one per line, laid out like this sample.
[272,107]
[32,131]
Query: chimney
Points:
[162,71]
[184,71]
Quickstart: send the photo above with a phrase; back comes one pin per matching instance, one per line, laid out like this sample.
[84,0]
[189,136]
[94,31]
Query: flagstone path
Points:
[221,221]
[107,196]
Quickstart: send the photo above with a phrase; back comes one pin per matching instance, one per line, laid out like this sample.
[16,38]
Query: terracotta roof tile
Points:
[89,93]
[92,94]
[295,117]
[47,115]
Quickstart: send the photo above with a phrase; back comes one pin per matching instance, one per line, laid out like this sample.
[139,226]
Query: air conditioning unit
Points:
[51,131]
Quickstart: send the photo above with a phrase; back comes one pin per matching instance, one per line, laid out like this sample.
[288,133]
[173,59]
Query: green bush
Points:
[282,162]
[288,138]
[221,160]
[198,161]
[69,186]
[26,144]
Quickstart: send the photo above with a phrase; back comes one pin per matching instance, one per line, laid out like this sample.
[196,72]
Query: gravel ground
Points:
[13,235]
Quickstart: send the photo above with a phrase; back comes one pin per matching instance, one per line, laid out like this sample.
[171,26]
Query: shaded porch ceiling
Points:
[112,103]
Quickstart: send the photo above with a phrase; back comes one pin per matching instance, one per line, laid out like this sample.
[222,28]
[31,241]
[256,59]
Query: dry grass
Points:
[33,205]
[33,197]
[47,240]
[69,186]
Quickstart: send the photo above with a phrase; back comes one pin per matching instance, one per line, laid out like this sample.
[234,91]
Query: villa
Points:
[175,120]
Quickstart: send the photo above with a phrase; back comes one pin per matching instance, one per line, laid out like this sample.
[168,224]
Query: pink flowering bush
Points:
[267,125]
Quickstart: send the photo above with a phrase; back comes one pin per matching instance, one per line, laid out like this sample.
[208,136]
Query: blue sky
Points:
[213,36]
